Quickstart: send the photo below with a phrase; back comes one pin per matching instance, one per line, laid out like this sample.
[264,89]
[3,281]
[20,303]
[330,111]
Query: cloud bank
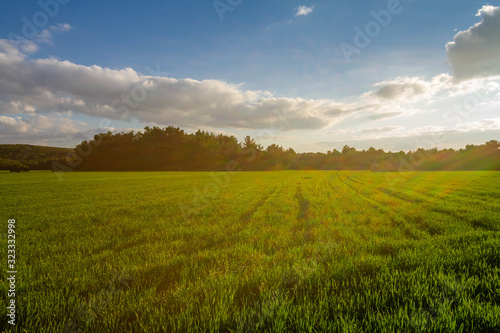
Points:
[39,86]
[475,53]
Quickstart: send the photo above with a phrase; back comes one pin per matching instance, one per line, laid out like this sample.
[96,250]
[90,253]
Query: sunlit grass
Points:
[308,251]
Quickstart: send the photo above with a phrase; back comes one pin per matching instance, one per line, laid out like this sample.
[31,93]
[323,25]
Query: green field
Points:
[287,251]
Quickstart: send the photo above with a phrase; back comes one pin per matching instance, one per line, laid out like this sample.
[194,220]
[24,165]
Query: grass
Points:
[288,251]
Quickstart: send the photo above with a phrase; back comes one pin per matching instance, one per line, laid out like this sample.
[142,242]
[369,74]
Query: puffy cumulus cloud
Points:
[39,129]
[475,53]
[42,86]
[474,56]
[304,10]
[10,125]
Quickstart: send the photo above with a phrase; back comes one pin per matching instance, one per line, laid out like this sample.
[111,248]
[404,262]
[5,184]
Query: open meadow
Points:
[284,251]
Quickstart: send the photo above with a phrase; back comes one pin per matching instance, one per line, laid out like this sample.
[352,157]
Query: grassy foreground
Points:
[290,251]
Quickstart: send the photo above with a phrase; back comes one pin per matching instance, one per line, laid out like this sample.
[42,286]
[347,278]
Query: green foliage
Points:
[170,149]
[35,157]
[12,165]
[286,251]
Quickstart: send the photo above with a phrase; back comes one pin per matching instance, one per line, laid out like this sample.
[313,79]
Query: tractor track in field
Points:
[477,223]
[389,193]
[378,204]
[361,195]
[418,198]
[355,181]
[303,204]
[245,217]
[430,200]
[392,193]
[420,195]
[380,189]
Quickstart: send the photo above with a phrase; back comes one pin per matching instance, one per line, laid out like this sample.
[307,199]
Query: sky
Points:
[309,75]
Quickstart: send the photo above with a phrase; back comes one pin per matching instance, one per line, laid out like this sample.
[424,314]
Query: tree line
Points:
[21,157]
[172,149]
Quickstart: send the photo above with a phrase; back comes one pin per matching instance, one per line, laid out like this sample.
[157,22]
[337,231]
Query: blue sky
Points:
[232,72]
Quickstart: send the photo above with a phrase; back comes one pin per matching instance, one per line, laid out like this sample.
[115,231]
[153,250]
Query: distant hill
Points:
[34,157]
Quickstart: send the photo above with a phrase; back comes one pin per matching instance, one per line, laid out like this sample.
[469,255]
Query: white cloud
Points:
[45,36]
[61,27]
[9,125]
[487,9]
[410,89]
[400,90]
[475,53]
[49,85]
[304,10]
[299,11]
[39,129]
[412,93]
